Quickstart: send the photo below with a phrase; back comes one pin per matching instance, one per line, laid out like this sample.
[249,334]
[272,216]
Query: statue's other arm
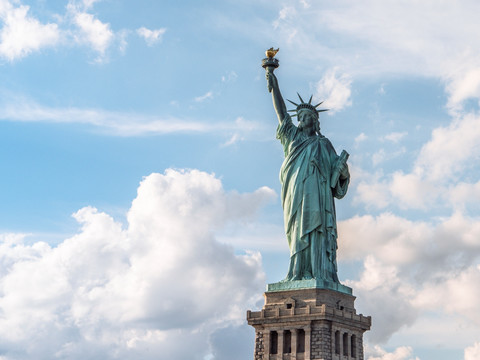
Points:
[278,102]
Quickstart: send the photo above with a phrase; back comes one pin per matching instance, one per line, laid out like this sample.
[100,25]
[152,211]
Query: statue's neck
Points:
[308,132]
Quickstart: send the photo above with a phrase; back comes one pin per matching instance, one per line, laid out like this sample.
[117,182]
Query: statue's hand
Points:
[271,80]
[343,170]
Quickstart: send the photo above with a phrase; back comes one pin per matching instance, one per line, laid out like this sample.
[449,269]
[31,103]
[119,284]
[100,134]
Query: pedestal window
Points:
[287,342]
[273,342]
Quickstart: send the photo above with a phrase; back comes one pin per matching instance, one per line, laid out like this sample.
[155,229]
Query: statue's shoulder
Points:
[322,138]
[325,141]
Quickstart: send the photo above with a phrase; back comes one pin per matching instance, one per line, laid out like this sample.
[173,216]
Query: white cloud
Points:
[371,38]
[451,149]
[462,87]
[135,291]
[393,239]
[22,34]
[400,353]
[151,36]
[456,295]
[382,293]
[371,191]
[242,128]
[378,157]
[233,140]
[360,138]
[395,137]
[18,108]
[208,95]
[305,4]
[441,172]
[412,269]
[284,14]
[230,76]
[91,30]
[334,90]
[472,352]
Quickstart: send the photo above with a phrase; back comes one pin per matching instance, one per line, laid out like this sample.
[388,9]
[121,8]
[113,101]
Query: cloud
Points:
[208,95]
[91,30]
[151,36]
[232,343]
[462,87]
[379,157]
[413,268]
[372,191]
[472,352]
[375,38]
[450,149]
[400,353]
[383,294]
[335,90]
[395,137]
[243,127]
[136,290]
[18,108]
[229,77]
[360,138]
[440,174]
[22,34]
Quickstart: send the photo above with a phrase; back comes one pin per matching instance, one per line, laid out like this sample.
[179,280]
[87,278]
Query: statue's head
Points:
[308,121]
[307,114]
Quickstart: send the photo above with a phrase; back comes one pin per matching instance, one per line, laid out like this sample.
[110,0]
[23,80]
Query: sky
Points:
[139,191]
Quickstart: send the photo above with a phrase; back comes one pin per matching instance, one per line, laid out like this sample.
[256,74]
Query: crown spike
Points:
[322,110]
[292,102]
[320,103]
[310,101]
[300,98]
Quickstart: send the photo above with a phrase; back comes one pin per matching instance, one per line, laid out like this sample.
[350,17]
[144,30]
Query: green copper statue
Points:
[312,174]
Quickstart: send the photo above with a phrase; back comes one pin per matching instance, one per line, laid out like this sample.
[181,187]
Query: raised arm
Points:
[278,102]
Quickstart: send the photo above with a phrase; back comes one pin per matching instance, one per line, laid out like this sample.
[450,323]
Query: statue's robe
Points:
[308,202]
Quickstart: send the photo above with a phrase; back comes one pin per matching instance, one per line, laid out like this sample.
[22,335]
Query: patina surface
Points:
[312,175]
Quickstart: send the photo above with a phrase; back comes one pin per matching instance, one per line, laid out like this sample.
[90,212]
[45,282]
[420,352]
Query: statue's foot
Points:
[295,277]
[308,276]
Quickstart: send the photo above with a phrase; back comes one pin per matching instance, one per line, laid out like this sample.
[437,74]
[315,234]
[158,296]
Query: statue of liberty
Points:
[312,175]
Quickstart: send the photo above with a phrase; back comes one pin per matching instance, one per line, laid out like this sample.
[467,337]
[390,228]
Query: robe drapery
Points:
[308,202]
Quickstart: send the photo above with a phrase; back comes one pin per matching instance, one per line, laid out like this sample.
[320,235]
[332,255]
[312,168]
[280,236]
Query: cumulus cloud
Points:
[451,152]
[383,294]
[411,268]
[462,87]
[151,36]
[91,30]
[22,34]
[372,190]
[335,90]
[400,353]
[472,352]
[137,290]
[451,149]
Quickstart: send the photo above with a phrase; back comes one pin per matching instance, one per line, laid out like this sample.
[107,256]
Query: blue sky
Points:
[151,124]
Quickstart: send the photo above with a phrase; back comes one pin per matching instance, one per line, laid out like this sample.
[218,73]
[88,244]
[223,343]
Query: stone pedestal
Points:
[307,324]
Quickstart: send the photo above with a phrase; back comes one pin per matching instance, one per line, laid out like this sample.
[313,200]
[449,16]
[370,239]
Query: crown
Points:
[306,106]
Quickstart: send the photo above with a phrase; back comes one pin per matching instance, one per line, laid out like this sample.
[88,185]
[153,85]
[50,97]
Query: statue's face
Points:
[306,120]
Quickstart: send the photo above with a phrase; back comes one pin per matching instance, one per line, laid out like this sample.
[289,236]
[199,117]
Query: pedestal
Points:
[307,324]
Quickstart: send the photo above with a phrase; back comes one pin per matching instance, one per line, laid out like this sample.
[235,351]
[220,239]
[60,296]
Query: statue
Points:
[311,175]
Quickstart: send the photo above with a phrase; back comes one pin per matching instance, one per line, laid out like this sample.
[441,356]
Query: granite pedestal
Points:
[308,324]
